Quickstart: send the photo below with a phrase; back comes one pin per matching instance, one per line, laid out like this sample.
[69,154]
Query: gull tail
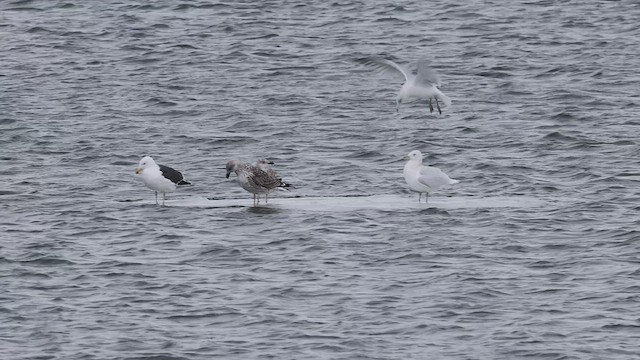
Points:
[284,186]
[445,98]
[183,182]
[453,181]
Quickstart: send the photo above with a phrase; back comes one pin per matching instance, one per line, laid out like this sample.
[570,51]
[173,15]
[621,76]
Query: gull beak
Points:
[138,171]
[228,173]
[406,158]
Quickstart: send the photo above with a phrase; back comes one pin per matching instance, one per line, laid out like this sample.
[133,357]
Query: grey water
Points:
[544,118]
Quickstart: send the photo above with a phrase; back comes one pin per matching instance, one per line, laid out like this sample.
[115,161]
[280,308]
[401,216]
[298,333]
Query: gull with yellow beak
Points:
[424,179]
[159,178]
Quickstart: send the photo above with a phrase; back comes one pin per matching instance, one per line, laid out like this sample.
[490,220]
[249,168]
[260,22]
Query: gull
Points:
[423,85]
[256,179]
[424,179]
[159,178]
[265,165]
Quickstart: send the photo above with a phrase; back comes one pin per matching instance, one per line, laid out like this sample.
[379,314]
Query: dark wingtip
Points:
[284,185]
[184,182]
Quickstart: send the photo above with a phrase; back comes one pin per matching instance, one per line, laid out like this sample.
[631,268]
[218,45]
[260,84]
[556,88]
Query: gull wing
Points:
[174,175]
[281,184]
[426,74]
[387,66]
[267,179]
[433,177]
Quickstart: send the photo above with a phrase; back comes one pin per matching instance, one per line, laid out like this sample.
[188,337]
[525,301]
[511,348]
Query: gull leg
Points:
[163,198]
[266,198]
[419,197]
[438,105]
[156,198]
[430,106]
[426,200]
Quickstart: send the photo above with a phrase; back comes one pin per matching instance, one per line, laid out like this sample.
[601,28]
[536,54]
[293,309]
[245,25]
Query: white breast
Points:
[153,178]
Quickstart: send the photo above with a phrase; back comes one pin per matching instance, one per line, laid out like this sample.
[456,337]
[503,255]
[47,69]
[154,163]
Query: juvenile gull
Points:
[159,178]
[423,85]
[256,179]
[424,179]
[265,165]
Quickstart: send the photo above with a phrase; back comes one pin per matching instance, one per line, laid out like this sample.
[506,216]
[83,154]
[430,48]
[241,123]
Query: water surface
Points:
[533,255]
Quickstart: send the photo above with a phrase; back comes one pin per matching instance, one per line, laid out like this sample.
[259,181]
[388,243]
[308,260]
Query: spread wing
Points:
[387,66]
[426,74]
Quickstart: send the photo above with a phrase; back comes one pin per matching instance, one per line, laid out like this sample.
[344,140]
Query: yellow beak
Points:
[406,158]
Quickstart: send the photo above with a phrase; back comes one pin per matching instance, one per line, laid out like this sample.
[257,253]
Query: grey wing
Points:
[426,74]
[433,177]
[387,66]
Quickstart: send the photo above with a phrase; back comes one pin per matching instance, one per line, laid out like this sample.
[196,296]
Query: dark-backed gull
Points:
[159,178]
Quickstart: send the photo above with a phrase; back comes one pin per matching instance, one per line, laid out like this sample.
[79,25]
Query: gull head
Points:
[415,155]
[232,166]
[145,163]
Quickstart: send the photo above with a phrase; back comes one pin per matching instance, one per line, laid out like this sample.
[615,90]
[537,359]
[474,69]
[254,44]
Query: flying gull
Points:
[423,85]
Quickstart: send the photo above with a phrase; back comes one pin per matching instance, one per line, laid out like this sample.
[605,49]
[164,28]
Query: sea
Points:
[534,254]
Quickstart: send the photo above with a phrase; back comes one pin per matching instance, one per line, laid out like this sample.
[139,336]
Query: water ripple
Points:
[538,259]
